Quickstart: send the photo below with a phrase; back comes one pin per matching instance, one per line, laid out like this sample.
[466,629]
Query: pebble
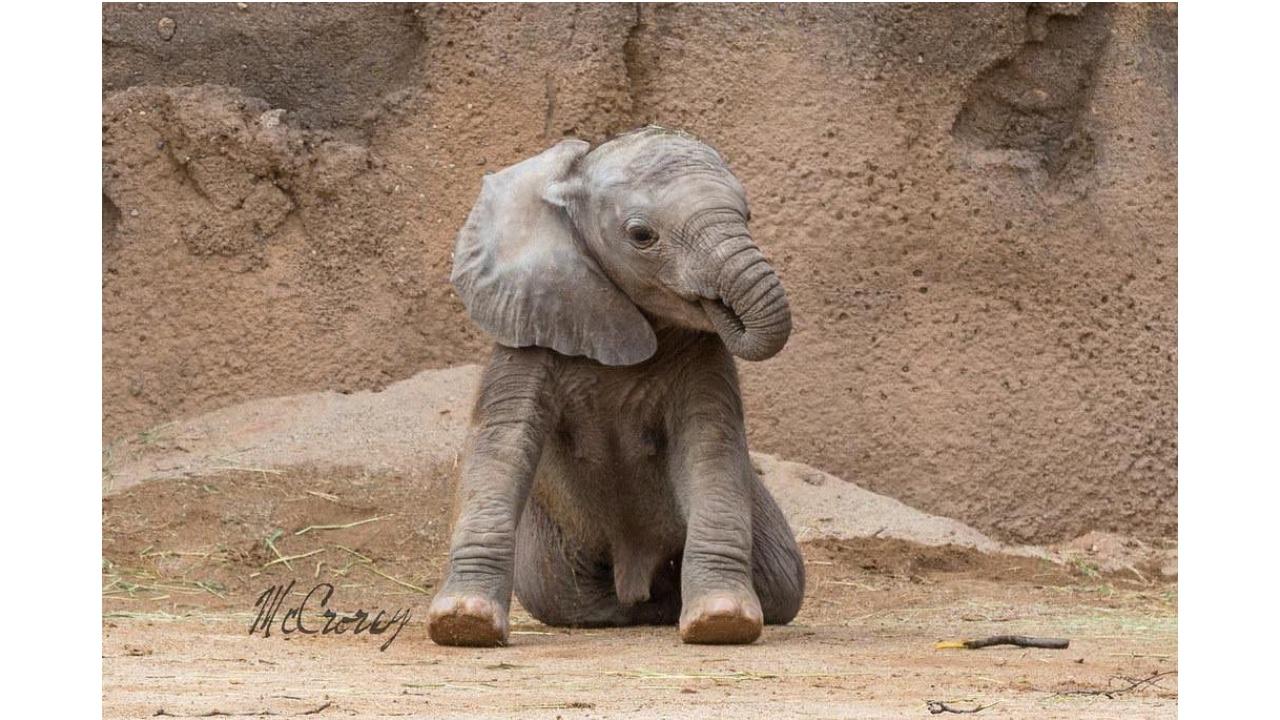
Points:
[166,27]
[271,118]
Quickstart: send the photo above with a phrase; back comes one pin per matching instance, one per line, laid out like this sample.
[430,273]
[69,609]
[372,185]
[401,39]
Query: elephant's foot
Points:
[468,621]
[721,619]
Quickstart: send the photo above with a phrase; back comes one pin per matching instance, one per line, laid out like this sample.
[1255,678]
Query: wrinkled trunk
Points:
[751,315]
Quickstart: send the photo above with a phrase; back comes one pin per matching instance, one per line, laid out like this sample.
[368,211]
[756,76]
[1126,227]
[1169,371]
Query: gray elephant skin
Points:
[606,479]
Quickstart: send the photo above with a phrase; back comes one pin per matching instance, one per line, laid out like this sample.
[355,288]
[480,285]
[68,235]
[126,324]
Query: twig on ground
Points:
[732,675]
[309,528]
[211,588]
[242,468]
[1111,693]
[344,548]
[271,545]
[325,496]
[285,560]
[373,569]
[1018,640]
[937,707]
[222,713]
[367,563]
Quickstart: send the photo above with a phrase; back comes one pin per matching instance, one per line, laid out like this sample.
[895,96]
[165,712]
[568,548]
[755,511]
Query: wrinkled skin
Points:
[606,478]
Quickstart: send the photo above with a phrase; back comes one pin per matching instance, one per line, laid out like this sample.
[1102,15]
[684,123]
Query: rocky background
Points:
[973,208]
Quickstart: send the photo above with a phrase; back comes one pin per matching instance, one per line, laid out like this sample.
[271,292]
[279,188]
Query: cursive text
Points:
[272,600]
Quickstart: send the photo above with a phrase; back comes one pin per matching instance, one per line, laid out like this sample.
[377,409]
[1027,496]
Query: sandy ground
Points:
[185,561]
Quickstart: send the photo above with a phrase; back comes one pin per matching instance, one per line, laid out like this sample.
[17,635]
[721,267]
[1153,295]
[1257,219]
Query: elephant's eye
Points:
[641,235]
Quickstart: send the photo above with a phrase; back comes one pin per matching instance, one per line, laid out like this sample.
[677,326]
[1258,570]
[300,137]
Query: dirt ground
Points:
[185,560]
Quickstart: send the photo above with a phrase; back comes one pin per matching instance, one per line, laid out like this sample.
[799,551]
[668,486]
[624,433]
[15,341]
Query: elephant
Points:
[606,478]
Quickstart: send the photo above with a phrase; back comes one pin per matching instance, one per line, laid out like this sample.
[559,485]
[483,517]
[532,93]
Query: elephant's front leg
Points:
[503,449]
[720,604]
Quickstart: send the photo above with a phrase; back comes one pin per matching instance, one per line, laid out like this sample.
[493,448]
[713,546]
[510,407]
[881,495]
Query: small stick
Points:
[1133,684]
[209,587]
[285,560]
[937,707]
[371,568]
[1018,640]
[271,543]
[344,548]
[309,528]
[240,468]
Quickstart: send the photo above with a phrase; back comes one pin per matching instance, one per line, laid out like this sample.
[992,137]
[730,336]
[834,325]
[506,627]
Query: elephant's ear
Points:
[525,277]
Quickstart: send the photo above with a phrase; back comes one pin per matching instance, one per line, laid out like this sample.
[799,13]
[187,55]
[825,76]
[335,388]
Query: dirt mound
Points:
[413,432]
[972,207]
[415,427]
[410,427]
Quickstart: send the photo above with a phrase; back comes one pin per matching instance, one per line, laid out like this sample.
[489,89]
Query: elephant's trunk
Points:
[752,315]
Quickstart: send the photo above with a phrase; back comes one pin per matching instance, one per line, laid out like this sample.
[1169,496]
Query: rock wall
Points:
[973,208]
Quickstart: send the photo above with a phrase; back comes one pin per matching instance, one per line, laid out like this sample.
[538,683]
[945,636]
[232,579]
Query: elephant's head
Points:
[583,252]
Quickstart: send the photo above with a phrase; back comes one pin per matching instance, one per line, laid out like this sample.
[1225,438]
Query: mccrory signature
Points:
[335,623]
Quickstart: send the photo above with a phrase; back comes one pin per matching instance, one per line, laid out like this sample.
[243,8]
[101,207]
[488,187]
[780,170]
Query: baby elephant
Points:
[606,477]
